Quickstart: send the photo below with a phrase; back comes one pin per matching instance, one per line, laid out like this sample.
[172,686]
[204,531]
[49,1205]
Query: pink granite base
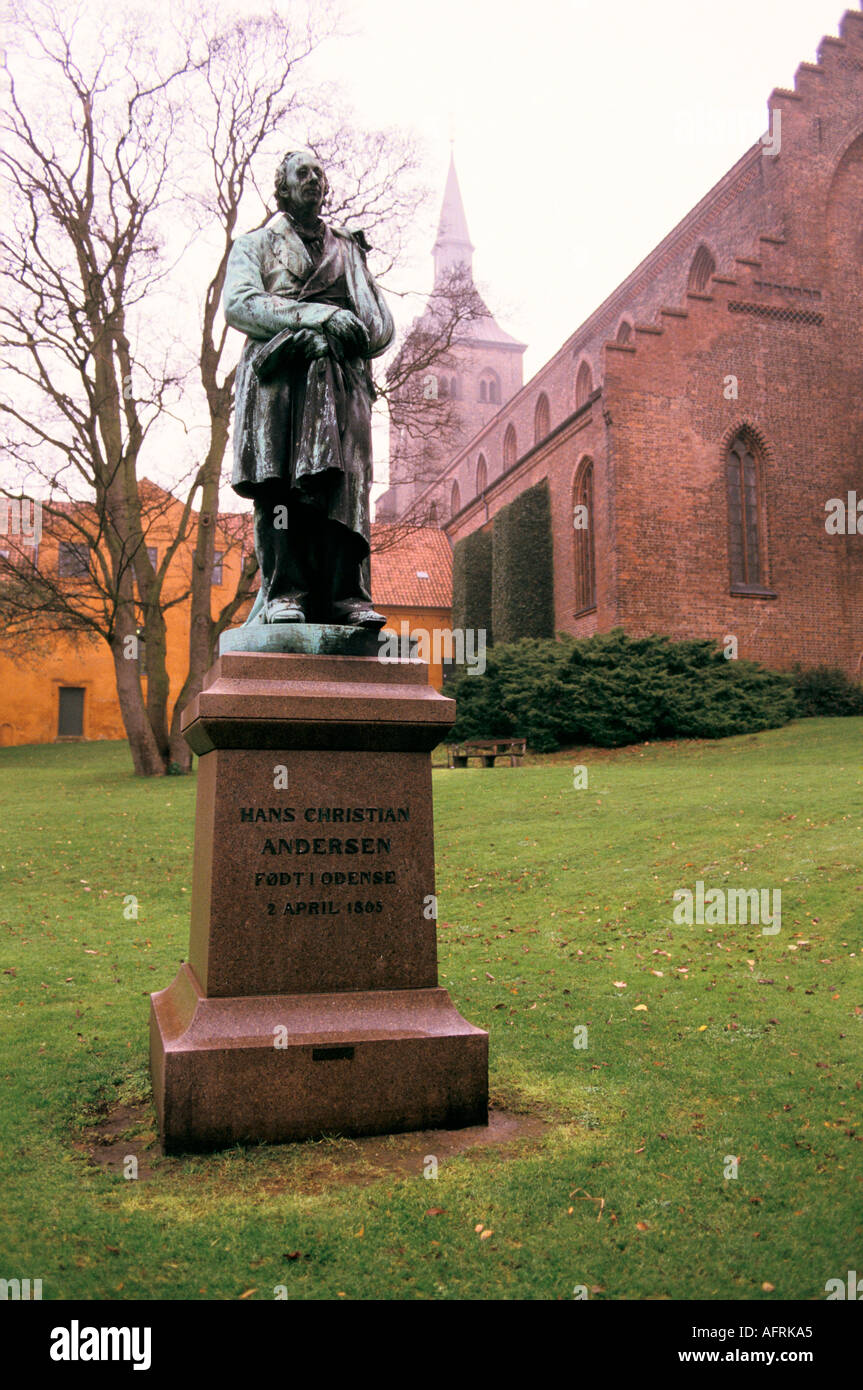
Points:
[310,1004]
[278,1068]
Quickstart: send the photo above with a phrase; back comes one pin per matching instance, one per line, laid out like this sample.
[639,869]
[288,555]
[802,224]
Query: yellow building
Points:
[60,688]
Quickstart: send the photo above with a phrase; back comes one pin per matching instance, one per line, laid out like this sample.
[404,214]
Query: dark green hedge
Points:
[824,690]
[522,568]
[471,583]
[611,690]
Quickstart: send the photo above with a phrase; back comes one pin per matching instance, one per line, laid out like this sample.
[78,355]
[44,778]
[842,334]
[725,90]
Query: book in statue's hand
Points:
[289,351]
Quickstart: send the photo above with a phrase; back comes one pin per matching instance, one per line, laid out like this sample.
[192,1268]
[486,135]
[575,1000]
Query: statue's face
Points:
[304,185]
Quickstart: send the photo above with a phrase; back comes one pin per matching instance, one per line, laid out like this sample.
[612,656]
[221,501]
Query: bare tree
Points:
[130,160]
[80,254]
[90,259]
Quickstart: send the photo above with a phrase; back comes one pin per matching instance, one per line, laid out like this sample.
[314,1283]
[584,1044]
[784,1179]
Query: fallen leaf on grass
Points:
[435,1211]
[640,1008]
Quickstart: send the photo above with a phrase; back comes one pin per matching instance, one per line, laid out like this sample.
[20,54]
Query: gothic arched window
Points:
[624,332]
[541,419]
[703,266]
[583,546]
[510,448]
[583,385]
[745,514]
[481,475]
[454,500]
[489,387]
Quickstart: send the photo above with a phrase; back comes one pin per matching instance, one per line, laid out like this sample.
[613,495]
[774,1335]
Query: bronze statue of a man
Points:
[300,289]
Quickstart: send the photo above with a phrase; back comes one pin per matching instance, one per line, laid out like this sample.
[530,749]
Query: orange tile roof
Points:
[396,569]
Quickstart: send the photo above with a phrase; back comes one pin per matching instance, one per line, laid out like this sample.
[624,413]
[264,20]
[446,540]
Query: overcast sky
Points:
[583,131]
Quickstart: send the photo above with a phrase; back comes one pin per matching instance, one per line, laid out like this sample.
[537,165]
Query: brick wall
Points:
[783,314]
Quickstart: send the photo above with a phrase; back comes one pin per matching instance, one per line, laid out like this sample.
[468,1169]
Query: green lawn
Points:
[723,1042]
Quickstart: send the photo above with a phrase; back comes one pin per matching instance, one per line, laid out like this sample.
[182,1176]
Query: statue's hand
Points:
[347,335]
[309,344]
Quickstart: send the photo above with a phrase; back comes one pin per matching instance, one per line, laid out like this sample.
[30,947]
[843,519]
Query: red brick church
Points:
[703,425]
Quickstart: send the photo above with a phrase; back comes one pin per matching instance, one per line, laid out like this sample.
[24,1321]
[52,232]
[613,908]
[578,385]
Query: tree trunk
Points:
[158,685]
[179,751]
[146,758]
[200,608]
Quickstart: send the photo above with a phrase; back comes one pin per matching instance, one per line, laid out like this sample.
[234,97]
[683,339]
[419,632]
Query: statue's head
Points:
[301,184]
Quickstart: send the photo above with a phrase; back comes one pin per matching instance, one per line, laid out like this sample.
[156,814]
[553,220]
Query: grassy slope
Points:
[754,1051]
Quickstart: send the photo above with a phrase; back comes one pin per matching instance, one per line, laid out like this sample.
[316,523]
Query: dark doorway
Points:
[71,712]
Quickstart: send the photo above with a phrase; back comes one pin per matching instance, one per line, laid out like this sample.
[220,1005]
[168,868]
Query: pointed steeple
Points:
[453,245]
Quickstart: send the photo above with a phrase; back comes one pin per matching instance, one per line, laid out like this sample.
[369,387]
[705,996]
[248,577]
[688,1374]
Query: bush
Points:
[522,586]
[611,690]
[823,690]
[471,583]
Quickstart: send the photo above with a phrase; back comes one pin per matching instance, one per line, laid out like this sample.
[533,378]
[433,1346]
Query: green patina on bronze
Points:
[309,639]
[301,291]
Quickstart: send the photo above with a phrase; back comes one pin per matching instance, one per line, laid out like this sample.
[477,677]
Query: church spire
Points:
[453,245]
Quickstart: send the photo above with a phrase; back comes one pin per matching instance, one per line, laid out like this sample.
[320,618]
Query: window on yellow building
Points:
[73,559]
[70,720]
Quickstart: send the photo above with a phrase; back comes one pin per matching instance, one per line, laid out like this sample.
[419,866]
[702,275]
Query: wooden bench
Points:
[487,750]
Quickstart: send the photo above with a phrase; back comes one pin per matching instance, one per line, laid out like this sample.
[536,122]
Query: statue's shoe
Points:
[357,614]
[283,610]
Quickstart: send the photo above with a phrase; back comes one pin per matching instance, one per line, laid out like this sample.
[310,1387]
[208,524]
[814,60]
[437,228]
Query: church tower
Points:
[482,369]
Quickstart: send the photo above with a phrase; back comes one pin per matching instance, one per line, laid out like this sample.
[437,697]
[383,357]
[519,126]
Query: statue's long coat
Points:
[309,427]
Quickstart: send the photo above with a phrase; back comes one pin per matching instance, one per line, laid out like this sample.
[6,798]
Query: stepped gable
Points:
[762,206]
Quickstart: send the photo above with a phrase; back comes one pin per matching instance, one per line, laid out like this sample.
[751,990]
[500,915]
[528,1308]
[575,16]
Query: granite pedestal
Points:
[310,1003]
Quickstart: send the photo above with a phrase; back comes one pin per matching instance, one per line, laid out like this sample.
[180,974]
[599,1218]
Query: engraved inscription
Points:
[308,883]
